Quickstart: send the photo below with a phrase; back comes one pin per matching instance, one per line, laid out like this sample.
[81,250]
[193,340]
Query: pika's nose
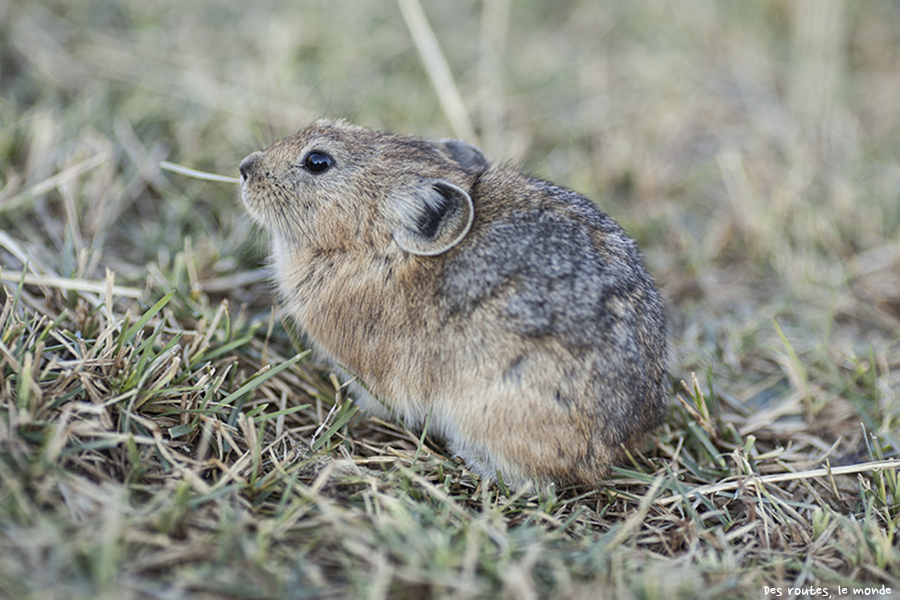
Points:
[249,164]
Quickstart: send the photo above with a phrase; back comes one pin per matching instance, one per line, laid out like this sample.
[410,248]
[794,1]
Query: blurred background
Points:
[750,148]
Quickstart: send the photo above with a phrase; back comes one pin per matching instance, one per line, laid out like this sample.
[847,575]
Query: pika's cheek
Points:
[249,199]
[253,196]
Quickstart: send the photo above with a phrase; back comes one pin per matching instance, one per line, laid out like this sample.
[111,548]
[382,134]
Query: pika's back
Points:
[567,262]
[566,282]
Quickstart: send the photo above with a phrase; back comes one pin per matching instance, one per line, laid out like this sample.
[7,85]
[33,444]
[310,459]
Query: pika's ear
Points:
[429,217]
[469,157]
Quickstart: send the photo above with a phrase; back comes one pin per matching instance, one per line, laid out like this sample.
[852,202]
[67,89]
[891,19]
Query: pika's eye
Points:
[318,162]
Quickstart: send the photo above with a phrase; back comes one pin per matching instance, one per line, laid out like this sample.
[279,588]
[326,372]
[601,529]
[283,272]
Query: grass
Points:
[164,435]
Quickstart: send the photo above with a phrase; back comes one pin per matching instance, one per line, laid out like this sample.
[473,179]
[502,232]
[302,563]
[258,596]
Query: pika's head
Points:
[335,186]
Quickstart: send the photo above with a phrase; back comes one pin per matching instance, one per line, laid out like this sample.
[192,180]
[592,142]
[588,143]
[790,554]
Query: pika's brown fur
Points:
[512,312]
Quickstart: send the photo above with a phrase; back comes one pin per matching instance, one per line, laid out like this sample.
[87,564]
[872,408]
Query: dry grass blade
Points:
[437,68]
[727,486]
[38,189]
[197,174]
[75,285]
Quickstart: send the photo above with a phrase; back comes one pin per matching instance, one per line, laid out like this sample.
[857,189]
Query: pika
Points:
[512,314]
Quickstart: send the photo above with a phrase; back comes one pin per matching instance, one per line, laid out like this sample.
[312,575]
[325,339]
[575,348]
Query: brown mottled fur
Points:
[513,312]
